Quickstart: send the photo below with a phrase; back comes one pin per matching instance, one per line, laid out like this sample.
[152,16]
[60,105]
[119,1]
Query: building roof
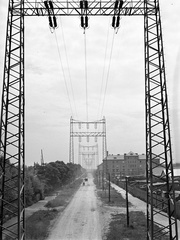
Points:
[122,156]
[115,157]
[131,154]
[142,156]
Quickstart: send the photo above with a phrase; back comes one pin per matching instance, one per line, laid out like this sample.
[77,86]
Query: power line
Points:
[86,78]
[69,73]
[102,80]
[64,77]
[107,78]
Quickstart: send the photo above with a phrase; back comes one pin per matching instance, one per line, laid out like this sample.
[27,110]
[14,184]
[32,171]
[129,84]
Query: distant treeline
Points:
[39,181]
[42,180]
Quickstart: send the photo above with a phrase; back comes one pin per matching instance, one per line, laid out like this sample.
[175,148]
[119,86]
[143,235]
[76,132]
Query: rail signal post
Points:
[158,141]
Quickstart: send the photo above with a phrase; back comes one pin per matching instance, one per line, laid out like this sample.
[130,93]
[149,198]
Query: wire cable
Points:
[64,77]
[86,77]
[103,73]
[107,78]
[69,73]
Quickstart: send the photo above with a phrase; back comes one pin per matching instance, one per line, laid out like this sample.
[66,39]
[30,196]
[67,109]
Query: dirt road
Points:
[80,220]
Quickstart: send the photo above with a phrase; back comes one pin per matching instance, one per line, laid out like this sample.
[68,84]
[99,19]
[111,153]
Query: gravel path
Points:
[81,219]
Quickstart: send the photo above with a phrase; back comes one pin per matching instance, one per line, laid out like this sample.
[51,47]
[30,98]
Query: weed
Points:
[118,229]
[57,202]
[136,230]
[37,224]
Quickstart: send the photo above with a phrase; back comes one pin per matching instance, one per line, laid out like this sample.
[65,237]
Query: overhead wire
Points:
[86,84]
[103,73]
[116,26]
[64,77]
[69,73]
[86,77]
[107,77]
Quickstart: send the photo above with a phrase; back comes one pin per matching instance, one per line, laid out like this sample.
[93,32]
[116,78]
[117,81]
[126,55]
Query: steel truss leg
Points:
[12,130]
[158,141]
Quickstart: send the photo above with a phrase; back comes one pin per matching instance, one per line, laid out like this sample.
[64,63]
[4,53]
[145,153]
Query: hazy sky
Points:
[48,109]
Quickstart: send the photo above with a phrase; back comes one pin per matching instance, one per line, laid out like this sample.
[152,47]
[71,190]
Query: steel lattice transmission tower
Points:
[86,151]
[12,128]
[88,161]
[87,130]
[158,141]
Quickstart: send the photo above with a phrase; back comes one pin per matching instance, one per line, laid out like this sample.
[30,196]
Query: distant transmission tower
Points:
[83,130]
[88,152]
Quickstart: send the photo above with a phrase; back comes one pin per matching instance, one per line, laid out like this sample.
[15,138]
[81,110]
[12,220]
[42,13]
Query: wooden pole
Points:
[127,207]
[109,187]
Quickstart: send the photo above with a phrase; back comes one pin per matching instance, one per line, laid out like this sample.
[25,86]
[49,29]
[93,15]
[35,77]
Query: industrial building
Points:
[127,164]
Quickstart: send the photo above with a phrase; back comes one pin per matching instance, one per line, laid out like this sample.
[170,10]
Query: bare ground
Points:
[81,219]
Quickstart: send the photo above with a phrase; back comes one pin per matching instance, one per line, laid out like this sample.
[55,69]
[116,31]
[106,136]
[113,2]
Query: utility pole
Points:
[109,187]
[127,204]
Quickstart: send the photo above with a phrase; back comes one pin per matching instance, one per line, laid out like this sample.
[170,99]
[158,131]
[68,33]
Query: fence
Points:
[158,201]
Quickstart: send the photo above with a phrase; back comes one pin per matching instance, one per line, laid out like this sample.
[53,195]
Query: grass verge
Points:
[137,229]
[37,225]
[65,195]
[113,198]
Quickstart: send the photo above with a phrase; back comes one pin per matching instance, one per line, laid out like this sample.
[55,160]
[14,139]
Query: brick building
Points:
[128,164]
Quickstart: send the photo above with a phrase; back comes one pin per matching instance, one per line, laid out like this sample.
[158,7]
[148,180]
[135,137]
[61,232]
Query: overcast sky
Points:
[48,109]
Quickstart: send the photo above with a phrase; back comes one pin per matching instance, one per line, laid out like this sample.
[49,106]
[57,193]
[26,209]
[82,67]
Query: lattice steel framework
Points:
[91,151]
[88,161]
[158,141]
[77,131]
[12,128]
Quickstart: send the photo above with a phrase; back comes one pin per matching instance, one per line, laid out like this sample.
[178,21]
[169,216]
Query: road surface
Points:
[81,219]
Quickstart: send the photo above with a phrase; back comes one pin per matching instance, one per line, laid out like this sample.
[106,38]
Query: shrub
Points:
[37,224]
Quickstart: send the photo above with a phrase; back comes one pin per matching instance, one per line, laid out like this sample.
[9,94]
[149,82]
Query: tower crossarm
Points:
[87,134]
[88,153]
[89,146]
[70,7]
[88,122]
